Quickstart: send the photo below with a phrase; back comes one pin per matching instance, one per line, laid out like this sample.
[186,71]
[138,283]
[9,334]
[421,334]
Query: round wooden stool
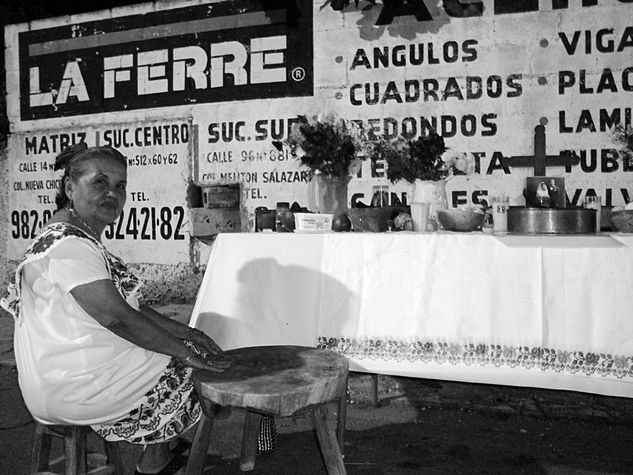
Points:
[274,381]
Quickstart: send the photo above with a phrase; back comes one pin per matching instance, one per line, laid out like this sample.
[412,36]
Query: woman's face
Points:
[98,195]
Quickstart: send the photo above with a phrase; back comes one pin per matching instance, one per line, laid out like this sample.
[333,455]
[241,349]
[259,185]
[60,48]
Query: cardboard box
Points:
[211,221]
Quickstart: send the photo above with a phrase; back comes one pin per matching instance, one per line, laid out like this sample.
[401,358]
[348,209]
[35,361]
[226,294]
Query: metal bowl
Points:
[463,220]
[373,220]
[551,221]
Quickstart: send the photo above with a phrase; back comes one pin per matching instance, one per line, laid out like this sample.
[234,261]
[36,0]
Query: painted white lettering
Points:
[73,84]
[220,66]
[228,63]
[266,52]
[36,96]
[189,62]
[151,76]
[115,69]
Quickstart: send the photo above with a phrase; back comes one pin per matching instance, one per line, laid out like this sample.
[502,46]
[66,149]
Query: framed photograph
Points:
[545,192]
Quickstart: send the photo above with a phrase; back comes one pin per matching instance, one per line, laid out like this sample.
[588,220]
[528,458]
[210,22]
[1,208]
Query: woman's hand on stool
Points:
[203,342]
[199,359]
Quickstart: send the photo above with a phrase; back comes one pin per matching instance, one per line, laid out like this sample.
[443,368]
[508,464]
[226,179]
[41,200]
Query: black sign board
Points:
[225,51]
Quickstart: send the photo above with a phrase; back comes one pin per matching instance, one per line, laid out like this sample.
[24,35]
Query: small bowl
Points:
[462,220]
[372,220]
[622,220]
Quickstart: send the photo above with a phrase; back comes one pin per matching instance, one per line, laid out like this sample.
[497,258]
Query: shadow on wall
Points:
[379,19]
[382,18]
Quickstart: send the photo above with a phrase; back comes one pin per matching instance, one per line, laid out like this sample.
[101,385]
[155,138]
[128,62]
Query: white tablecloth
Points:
[544,311]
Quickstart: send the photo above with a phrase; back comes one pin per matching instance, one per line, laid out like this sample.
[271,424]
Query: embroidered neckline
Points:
[49,237]
[93,232]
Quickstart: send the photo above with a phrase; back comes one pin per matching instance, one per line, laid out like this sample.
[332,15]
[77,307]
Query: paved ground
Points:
[420,426]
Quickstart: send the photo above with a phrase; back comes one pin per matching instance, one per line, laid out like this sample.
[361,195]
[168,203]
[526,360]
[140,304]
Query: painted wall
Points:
[194,93]
[5,268]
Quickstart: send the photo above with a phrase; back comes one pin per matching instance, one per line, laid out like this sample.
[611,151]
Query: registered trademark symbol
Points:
[298,74]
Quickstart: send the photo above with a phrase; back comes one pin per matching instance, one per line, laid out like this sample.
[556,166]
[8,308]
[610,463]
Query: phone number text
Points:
[146,223]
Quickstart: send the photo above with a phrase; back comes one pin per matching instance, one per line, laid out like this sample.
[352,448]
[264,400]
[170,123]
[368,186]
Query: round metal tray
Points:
[551,221]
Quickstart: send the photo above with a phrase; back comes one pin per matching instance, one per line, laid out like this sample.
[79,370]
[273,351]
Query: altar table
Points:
[542,311]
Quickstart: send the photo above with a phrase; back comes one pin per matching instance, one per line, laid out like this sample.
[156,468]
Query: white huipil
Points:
[71,369]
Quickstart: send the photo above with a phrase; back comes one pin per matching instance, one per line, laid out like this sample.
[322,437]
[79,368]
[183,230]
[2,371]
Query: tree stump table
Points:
[274,381]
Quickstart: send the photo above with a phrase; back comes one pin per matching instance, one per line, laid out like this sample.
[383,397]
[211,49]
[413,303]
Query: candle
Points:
[500,206]
[594,202]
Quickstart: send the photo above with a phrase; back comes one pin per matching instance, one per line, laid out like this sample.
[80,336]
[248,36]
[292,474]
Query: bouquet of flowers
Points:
[327,145]
[624,136]
[425,158]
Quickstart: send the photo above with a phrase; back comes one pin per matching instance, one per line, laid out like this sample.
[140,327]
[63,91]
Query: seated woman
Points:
[87,353]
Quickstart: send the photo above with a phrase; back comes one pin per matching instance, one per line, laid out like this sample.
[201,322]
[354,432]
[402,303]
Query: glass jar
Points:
[281,209]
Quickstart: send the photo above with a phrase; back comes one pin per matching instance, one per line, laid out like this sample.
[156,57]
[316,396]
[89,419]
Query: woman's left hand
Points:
[203,342]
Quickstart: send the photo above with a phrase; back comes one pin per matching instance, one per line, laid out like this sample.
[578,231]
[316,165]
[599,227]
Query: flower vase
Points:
[432,192]
[328,194]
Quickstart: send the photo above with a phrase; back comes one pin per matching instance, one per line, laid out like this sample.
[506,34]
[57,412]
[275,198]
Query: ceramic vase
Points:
[432,192]
[328,194]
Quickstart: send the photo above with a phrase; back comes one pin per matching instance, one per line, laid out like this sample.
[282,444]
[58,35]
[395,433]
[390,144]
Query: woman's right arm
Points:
[101,300]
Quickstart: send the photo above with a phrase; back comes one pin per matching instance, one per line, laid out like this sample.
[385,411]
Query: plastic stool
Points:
[74,448]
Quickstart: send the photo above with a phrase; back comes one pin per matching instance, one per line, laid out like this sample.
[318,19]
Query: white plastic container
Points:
[312,222]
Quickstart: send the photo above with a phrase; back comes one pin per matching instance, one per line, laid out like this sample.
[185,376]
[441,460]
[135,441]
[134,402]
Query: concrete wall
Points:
[169,283]
[163,283]
[484,73]
[5,269]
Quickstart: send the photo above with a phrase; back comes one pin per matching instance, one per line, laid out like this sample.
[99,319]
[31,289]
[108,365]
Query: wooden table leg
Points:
[249,441]
[200,446]
[375,397]
[327,441]
[342,417]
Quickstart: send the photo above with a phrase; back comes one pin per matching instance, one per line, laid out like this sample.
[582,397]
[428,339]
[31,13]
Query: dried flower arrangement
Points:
[425,158]
[326,144]
[623,135]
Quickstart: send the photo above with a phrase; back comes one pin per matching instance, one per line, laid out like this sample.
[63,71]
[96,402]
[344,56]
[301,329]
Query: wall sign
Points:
[154,225]
[402,67]
[230,50]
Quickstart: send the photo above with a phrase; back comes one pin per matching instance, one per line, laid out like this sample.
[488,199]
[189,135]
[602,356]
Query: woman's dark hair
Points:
[72,159]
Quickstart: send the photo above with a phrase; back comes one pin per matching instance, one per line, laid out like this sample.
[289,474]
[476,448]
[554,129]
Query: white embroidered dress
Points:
[71,369]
